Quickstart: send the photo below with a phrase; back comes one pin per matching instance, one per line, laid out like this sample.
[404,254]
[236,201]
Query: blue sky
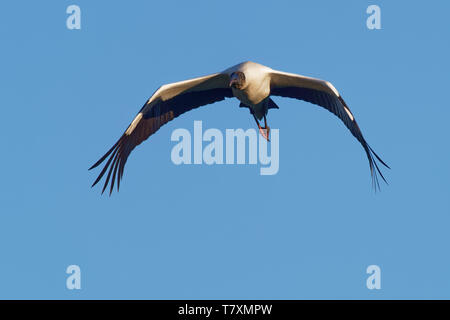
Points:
[224,231]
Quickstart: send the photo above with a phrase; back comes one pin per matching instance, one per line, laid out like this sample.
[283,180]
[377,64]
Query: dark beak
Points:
[232,82]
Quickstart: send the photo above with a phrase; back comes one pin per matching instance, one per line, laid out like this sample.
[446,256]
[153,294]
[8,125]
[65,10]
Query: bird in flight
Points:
[253,84]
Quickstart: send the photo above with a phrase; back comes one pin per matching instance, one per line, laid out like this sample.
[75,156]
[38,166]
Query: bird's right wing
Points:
[324,94]
[167,103]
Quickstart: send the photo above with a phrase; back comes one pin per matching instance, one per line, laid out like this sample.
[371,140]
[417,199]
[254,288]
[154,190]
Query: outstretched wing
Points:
[324,94]
[167,103]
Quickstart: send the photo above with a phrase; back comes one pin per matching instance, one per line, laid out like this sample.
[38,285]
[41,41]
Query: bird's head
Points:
[237,80]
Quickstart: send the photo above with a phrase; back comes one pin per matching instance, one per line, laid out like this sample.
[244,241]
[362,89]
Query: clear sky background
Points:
[189,232]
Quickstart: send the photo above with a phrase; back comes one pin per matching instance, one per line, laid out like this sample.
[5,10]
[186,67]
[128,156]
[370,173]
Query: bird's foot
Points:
[265,132]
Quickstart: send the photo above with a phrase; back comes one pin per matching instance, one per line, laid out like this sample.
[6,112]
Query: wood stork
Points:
[252,84]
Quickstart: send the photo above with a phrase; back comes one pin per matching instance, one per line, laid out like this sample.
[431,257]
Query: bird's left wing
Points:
[167,103]
[324,94]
